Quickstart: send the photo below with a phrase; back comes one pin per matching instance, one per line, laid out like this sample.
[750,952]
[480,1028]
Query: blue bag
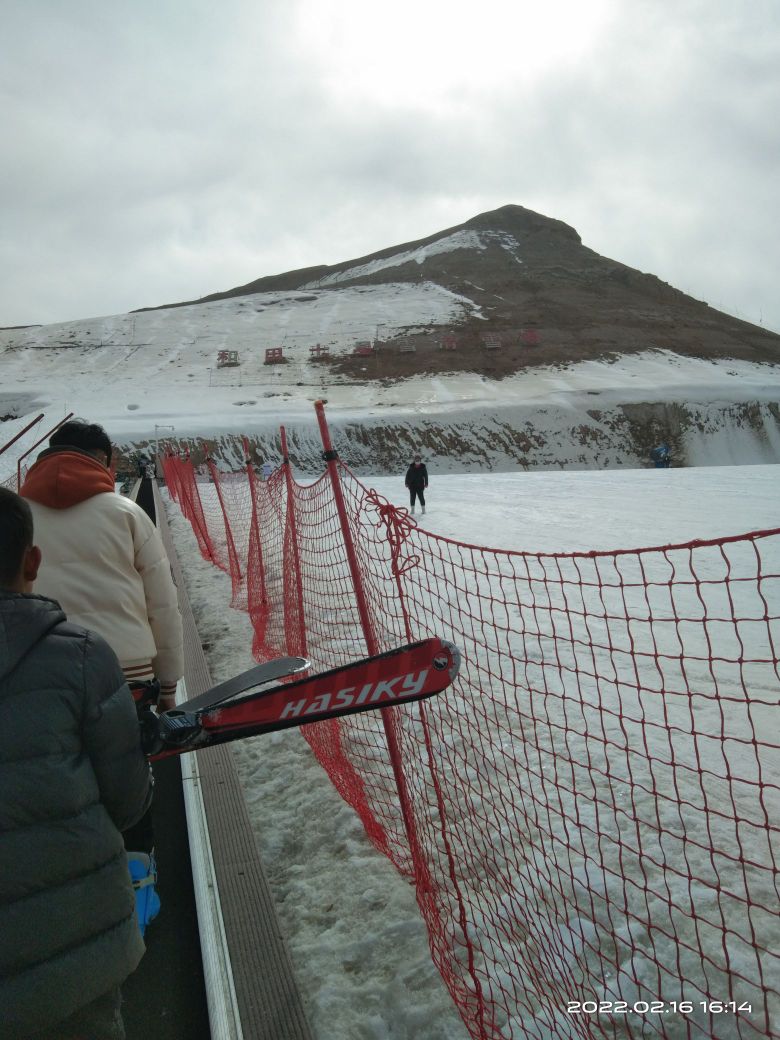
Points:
[143,872]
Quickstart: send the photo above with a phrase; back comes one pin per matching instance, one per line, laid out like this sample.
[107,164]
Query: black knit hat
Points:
[78,433]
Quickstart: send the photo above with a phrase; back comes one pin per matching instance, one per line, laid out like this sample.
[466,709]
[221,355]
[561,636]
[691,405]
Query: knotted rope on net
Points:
[398,525]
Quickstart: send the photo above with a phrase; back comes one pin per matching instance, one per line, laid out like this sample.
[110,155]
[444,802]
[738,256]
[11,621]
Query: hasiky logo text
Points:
[400,687]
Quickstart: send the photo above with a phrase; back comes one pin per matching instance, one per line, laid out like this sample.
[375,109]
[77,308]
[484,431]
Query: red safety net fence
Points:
[591,813]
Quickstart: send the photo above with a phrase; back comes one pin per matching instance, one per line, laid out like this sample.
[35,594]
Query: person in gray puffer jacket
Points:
[72,776]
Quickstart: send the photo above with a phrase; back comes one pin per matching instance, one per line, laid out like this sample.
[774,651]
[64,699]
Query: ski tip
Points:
[448,658]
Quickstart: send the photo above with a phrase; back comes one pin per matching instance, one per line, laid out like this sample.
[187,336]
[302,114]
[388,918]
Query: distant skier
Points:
[267,469]
[417,482]
[661,456]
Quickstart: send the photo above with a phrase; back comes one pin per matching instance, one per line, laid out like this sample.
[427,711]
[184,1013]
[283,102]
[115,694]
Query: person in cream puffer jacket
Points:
[106,566]
[103,559]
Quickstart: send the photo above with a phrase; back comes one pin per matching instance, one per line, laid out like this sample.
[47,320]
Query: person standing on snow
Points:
[74,776]
[417,482]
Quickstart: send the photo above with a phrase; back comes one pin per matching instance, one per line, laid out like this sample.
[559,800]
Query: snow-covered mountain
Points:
[535,287]
[501,343]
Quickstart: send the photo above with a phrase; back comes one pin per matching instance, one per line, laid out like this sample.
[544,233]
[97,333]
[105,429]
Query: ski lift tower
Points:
[157,437]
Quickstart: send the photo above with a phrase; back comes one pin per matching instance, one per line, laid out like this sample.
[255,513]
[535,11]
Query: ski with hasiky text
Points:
[408,673]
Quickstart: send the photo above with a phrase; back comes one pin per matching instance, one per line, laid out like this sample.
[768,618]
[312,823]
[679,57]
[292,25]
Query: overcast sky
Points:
[161,150]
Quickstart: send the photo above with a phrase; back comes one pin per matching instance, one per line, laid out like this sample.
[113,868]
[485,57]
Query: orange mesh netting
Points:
[590,814]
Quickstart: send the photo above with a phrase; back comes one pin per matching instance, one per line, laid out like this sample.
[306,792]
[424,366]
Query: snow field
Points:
[613,743]
[153,373]
[616,789]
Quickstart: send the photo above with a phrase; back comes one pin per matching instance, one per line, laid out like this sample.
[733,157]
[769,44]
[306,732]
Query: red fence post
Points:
[331,457]
[292,529]
[372,645]
[21,433]
[51,431]
[233,562]
[254,530]
[254,527]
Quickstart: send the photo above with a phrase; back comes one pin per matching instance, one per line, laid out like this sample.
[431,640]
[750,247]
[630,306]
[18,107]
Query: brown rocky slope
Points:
[538,288]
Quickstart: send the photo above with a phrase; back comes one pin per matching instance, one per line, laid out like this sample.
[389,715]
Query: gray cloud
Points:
[185,148]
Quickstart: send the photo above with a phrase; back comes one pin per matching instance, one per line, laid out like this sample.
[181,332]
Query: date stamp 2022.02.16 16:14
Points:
[657,1007]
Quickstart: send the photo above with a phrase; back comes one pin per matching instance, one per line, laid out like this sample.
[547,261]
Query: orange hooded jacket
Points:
[104,561]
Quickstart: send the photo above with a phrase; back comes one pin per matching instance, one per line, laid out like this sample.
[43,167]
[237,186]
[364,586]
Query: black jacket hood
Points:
[24,621]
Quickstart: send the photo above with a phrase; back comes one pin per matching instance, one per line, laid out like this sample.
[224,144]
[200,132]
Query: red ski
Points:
[409,673]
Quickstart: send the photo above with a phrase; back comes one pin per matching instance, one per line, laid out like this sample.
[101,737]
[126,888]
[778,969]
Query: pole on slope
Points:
[21,457]
[157,428]
[293,528]
[372,644]
[21,433]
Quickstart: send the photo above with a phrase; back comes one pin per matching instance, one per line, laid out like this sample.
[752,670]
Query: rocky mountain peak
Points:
[522,223]
[529,280]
